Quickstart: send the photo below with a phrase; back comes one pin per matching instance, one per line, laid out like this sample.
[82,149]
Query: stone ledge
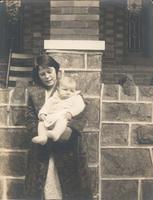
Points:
[74,45]
[74,3]
[74,17]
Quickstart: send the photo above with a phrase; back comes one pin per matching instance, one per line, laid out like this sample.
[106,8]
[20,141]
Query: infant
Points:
[58,110]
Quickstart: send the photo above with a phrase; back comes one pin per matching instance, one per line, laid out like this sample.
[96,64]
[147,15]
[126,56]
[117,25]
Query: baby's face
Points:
[65,91]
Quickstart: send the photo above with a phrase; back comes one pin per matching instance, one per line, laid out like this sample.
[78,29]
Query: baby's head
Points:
[66,87]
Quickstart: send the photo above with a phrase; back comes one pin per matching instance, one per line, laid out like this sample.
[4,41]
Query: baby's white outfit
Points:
[55,107]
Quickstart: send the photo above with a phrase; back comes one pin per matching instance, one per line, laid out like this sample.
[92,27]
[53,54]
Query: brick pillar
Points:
[74,19]
[83,61]
[54,19]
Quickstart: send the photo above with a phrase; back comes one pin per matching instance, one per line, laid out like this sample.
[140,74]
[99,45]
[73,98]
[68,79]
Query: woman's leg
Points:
[42,137]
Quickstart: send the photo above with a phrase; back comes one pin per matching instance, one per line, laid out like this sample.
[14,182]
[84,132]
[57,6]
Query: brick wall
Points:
[126,143]
[142,74]
[56,19]
[114,29]
[36,24]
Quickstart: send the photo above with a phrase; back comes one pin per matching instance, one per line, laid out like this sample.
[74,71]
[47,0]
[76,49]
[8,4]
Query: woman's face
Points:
[47,76]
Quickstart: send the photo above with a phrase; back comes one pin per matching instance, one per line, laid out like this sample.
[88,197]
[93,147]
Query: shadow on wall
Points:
[36,24]
[148,27]
[3,30]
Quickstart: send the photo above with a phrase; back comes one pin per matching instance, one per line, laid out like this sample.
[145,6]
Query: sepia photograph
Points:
[92,60]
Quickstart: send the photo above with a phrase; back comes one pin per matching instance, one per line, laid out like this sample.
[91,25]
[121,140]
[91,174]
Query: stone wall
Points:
[120,158]
[13,144]
[126,143]
[85,67]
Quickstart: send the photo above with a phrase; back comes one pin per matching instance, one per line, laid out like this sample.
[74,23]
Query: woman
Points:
[53,170]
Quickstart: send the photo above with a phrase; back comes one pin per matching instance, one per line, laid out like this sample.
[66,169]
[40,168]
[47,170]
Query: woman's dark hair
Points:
[44,61]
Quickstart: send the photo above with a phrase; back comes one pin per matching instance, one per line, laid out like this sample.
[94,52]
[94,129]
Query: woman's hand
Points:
[42,117]
[68,116]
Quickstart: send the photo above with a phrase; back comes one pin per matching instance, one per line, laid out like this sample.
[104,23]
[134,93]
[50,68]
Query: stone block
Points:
[15,189]
[68,60]
[131,96]
[126,163]
[4,96]
[94,179]
[18,93]
[142,134]
[12,163]
[3,115]
[89,143]
[17,116]
[87,82]
[14,138]
[147,189]
[145,93]
[128,112]
[114,134]
[119,190]
[90,116]
[1,189]
[110,92]
[91,113]
[94,61]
